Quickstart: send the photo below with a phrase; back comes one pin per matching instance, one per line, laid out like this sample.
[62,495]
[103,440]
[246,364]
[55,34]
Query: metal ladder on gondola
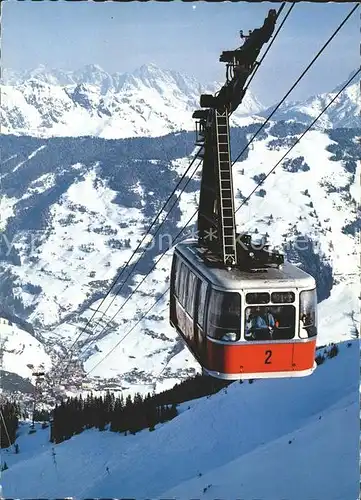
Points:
[226,199]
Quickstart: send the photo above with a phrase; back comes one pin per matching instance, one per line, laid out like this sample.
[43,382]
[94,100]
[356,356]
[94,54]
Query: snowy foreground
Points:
[270,440]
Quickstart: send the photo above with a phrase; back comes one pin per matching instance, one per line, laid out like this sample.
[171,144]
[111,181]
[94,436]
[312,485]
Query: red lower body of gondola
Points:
[260,360]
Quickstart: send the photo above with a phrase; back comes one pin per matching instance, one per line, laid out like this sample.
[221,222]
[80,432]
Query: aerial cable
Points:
[130,331]
[298,140]
[244,149]
[106,328]
[131,271]
[272,40]
[126,265]
[163,368]
[144,237]
[135,265]
[300,78]
[5,427]
[189,221]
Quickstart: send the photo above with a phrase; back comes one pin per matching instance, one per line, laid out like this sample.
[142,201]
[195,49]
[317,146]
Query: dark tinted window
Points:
[283,297]
[258,298]
[176,276]
[224,316]
[308,314]
[183,278]
[191,289]
[269,323]
[202,291]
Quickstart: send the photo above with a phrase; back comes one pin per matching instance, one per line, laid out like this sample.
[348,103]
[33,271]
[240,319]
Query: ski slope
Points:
[273,439]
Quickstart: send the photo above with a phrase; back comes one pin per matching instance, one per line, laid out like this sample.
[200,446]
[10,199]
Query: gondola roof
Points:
[288,276]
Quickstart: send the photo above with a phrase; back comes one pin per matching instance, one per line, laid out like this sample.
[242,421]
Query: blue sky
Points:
[175,35]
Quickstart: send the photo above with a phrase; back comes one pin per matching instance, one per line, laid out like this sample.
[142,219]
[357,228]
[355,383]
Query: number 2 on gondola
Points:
[268,357]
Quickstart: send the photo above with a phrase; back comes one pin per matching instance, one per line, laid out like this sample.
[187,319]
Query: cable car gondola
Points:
[243,312]
[216,311]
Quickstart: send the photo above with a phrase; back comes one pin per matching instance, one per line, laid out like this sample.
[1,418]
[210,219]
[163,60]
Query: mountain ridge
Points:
[345,112]
[149,101]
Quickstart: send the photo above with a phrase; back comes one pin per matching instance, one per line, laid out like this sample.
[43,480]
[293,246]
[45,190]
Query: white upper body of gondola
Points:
[286,276]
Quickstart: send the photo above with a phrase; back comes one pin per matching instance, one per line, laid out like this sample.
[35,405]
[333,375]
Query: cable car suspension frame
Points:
[217,234]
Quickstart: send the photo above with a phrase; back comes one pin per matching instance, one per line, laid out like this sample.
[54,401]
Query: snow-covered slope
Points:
[272,439]
[19,349]
[77,208]
[149,102]
[321,215]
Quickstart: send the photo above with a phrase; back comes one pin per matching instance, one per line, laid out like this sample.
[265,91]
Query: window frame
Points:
[257,293]
[190,299]
[313,325]
[237,330]
[291,306]
[176,274]
[291,292]
[182,278]
[201,283]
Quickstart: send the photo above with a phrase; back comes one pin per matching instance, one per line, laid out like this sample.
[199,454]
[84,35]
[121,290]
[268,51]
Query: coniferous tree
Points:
[129,414]
[10,416]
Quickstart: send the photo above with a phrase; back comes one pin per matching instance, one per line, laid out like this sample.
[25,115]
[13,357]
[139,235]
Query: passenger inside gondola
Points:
[270,322]
[261,324]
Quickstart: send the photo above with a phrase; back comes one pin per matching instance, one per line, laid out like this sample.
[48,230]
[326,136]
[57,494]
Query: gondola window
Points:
[201,303]
[191,288]
[224,316]
[308,318]
[269,323]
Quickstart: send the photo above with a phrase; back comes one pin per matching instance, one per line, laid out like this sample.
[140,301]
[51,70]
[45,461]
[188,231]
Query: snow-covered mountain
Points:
[19,349]
[345,112]
[73,210]
[273,439]
[148,102]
